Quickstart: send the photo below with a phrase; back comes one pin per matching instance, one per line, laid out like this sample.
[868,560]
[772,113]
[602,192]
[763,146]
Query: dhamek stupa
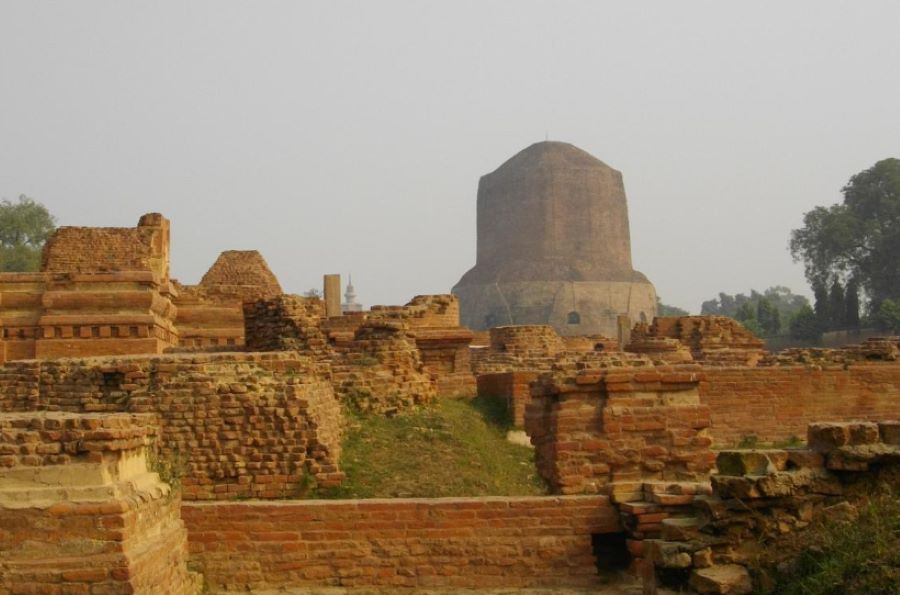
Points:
[554,246]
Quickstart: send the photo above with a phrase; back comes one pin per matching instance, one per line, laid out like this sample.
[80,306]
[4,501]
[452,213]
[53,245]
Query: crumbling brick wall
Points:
[759,495]
[433,322]
[537,348]
[110,249]
[435,310]
[873,349]
[234,425]
[380,370]
[80,512]
[399,543]
[285,322]
[376,368]
[712,340]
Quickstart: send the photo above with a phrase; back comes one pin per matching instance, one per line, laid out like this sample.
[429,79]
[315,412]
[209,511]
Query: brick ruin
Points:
[216,413]
[711,340]
[107,291]
[211,313]
[234,390]
[707,537]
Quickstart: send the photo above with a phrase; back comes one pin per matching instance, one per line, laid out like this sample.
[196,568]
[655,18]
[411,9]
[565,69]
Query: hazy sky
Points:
[349,137]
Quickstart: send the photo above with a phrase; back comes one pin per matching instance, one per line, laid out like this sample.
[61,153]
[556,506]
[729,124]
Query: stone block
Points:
[725,579]
[750,462]
[668,554]
[805,459]
[824,437]
[729,486]
[890,432]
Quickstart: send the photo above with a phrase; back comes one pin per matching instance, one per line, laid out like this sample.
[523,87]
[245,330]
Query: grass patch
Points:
[450,448]
[861,556]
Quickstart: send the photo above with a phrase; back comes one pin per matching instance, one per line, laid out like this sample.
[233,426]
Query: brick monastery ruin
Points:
[554,247]
[112,367]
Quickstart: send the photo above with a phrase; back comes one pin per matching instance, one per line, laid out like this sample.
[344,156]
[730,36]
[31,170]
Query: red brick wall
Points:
[450,542]
[777,403]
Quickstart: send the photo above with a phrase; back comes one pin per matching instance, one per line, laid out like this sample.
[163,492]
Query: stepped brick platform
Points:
[80,512]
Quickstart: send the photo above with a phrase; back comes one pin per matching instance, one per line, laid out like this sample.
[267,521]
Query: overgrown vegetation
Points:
[451,448]
[751,441]
[170,467]
[838,557]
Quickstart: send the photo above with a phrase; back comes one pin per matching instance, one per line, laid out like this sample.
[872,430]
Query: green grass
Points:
[451,448]
[861,557]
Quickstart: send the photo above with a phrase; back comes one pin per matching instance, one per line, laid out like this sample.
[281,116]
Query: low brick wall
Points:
[776,404]
[448,542]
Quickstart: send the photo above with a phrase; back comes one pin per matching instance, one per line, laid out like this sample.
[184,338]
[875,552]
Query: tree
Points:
[666,310]
[768,317]
[837,307]
[822,305]
[858,238]
[888,316]
[805,325]
[24,227]
[746,315]
[851,304]
[313,293]
[781,304]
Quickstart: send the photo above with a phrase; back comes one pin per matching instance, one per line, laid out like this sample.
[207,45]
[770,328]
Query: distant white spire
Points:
[350,293]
